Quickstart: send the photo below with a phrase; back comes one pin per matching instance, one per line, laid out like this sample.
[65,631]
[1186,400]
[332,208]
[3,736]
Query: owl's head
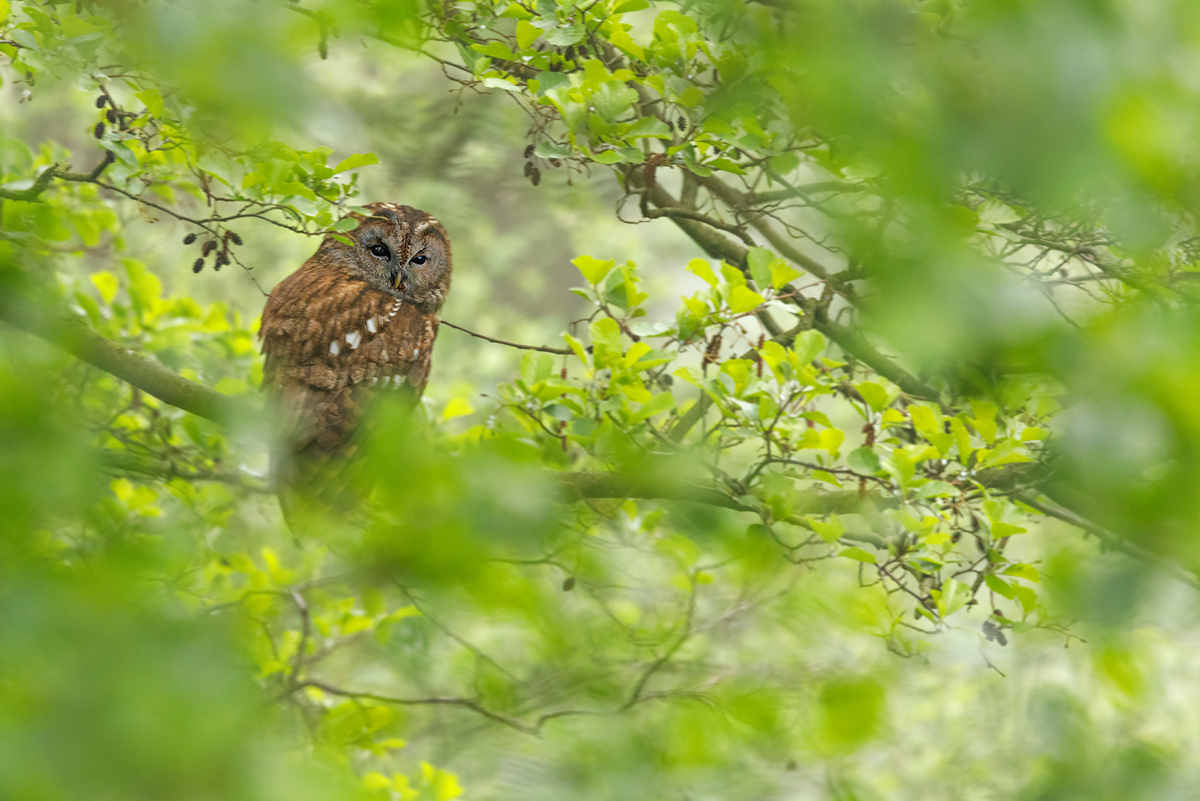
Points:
[400,250]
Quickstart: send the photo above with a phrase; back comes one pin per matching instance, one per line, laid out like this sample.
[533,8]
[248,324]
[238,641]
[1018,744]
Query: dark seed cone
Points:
[189,239]
[198,265]
[101,101]
[535,177]
[98,132]
[234,238]
[529,151]
[209,247]
[112,116]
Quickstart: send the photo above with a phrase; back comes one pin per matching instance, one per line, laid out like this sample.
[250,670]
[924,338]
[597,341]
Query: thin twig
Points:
[541,348]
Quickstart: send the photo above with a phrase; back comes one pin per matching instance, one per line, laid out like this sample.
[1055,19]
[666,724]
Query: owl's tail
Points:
[317,491]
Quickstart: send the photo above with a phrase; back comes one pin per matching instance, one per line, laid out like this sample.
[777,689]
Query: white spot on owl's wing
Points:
[371,325]
[335,348]
[416,352]
[353,339]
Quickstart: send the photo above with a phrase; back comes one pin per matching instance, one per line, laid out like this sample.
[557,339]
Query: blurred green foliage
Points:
[872,476]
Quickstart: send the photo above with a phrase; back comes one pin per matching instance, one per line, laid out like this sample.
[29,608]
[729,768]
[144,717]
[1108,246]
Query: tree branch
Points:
[72,335]
[848,340]
[40,184]
[736,199]
[541,348]
[1108,538]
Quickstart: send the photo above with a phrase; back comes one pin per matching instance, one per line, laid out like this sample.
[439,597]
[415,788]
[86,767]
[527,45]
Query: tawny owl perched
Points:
[353,322]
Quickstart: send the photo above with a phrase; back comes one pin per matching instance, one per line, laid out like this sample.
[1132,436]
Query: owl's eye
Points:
[380,251]
[417,259]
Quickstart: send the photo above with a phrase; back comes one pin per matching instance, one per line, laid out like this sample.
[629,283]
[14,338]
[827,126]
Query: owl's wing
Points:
[333,343]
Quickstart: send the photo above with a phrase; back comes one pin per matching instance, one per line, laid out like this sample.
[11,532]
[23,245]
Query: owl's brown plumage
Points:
[354,322]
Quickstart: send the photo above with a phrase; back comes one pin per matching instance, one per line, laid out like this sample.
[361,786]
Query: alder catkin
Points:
[198,265]
[100,101]
[189,239]
[98,131]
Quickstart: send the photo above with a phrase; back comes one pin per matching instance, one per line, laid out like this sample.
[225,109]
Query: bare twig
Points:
[541,348]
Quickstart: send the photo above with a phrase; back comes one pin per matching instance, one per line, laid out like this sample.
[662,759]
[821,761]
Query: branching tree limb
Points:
[73,336]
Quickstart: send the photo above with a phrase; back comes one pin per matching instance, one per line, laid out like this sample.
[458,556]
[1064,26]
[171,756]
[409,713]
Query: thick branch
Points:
[616,485]
[1108,538]
[737,200]
[73,336]
[40,185]
[848,340]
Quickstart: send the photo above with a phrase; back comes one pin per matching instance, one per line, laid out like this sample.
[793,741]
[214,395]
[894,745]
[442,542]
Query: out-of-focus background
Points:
[156,622]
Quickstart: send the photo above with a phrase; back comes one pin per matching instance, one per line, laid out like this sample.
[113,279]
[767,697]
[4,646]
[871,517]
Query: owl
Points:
[356,322]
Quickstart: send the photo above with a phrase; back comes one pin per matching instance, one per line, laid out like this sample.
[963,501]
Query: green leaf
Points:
[660,403]
[527,34]
[357,160]
[994,212]
[606,340]
[831,530]
[1024,571]
[691,97]
[552,150]
[759,260]
[1001,529]
[500,83]
[743,299]
[536,367]
[593,269]
[613,100]
[808,345]
[782,273]
[346,224]
[152,100]
[864,460]
[106,283]
[703,269]
[952,596]
[460,407]
[648,127]
[998,586]
[859,554]
[232,386]
[145,289]
[565,37]
[785,163]
[874,394]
